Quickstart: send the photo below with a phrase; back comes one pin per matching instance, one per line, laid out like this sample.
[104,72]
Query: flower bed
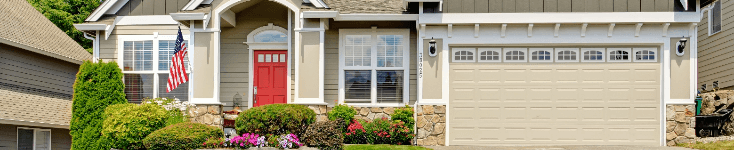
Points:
[380,131]
[251,140]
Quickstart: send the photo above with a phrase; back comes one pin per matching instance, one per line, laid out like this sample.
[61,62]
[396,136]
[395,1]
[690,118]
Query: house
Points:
[713,65]
[38,66]
[479,72]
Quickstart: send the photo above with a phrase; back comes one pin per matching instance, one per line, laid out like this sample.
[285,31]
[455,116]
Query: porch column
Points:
[204,63]
[309,63]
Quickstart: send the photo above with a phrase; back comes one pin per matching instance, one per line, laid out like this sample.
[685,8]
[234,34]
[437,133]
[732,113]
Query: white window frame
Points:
[628,50]
[17,136]
[505,50]
[454,50]
[156,40]
[635,50]
[549,50]
[374,32]
[480,50]
[602,50]
[559,50]
[710,18]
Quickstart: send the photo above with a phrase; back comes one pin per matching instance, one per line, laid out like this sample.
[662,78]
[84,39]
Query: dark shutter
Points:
[716,17]
[25,139]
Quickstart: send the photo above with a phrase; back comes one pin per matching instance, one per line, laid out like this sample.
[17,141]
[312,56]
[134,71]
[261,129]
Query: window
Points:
[490,55]
[463,54]
[567,54]
[515,54]
[618,55]
[592,54]
[645,55]
[146,61]
[715,18]
[374,66]
[271,36]
[541,55]
[34,139]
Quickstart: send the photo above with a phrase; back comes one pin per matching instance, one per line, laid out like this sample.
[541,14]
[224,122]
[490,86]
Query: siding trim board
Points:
[520,6]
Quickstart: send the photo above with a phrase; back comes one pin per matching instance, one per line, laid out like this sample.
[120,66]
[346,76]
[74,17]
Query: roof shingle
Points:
[25,105]
[364,6]
[22,24]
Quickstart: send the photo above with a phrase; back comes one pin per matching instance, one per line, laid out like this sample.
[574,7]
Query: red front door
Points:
[270,69]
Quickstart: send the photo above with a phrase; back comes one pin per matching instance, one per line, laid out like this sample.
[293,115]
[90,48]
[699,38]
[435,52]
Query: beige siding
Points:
[715,61]
[432,71]
[151,7]
[331,45]
[308,74]
[234,56]
[680,73]
[46,75]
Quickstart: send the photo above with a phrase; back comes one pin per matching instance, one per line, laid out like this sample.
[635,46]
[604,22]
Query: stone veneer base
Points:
[206,114]
[680,121]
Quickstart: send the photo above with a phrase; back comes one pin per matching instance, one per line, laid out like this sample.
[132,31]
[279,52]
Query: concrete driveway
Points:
[555,148]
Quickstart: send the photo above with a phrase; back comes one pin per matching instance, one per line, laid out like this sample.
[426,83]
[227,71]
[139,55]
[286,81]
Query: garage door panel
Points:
[552,104]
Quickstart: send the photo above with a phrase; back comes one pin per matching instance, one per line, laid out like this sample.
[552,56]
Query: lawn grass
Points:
[720,145]
[383,147]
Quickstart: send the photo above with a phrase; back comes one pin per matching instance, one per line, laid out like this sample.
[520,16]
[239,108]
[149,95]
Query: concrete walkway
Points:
[555,148]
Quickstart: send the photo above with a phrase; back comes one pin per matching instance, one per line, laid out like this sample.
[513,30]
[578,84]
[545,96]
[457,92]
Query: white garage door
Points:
[579,96]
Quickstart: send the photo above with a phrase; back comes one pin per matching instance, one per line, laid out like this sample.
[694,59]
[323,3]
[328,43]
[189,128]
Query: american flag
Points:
[177,71]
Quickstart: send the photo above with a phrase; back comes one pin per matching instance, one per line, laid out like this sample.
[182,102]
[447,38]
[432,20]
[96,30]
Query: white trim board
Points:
[146,20]
[576,18]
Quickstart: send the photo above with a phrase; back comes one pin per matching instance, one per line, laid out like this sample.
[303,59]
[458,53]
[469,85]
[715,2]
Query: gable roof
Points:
[366,6]
[21,25]
[27,107]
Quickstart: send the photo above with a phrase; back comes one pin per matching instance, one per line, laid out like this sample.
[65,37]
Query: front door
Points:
[270,69]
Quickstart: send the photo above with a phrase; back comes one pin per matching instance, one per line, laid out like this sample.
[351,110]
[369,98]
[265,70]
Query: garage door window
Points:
[593,55]
[618,54]
[567,54]
[382,83]
[515,54]
[645,55]
[490,55]
[541,55]
[463,54]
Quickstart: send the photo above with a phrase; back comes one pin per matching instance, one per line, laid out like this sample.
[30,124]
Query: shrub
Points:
[344,112]
[97,86]
[356,134]
[325,135]
[176,109]
[384,131]
[184,136]
[214,142]
[275,119]
[405,114]
[125,124]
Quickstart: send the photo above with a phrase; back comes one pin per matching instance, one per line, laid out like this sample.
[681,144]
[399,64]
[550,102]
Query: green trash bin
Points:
[699,101]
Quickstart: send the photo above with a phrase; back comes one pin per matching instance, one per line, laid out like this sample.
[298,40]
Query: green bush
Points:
[404,114]
[325,135]
[126,124]
[182,136]
[344,112]
[176,109]
[379,131]
[275,119]
[97,86]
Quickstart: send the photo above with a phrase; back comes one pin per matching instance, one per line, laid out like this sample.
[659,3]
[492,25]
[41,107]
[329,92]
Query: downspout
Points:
[94,47]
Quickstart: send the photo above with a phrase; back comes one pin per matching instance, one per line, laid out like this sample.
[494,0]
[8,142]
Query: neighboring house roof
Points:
[21,25]
[22,106]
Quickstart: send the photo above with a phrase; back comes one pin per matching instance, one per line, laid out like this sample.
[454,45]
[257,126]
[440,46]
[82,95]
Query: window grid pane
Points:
[139,86]
[390,86]
[25,139]
[165,53]
[593,55]
[566,55]
[43,139]
[181,92]
[618,55]
[357,86]
[464,55]
[489,55]
[358,50]
[515,55]
[645,55]
[389,51]
[138,55]
[541,55]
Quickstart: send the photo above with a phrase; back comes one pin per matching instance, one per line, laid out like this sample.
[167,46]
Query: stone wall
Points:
[430,125]
[680,121]
[206,114]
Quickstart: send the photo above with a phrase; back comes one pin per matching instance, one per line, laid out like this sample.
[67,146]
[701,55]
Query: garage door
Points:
[554,96]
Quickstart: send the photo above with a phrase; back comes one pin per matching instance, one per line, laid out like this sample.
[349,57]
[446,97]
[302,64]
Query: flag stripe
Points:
[177,70]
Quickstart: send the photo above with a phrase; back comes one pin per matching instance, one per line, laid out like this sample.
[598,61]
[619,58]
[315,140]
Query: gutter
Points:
[95,48]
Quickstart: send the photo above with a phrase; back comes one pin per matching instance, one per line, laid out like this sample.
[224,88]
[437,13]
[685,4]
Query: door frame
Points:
[254,46]
[252,74]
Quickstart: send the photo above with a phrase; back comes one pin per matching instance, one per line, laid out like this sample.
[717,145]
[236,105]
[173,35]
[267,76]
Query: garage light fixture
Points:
[681,45]
[432,48]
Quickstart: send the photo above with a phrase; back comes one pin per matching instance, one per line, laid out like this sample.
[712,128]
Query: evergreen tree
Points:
[65,13]
[97,86]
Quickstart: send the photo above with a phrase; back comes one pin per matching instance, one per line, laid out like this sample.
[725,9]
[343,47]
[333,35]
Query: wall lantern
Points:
[681,46]
[432,48]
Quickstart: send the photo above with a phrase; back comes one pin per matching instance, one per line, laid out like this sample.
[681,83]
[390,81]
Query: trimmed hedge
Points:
[181,136]
[275,119]
[97,86]
[405,114]
[325,135]
[126,124]
[344,112]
